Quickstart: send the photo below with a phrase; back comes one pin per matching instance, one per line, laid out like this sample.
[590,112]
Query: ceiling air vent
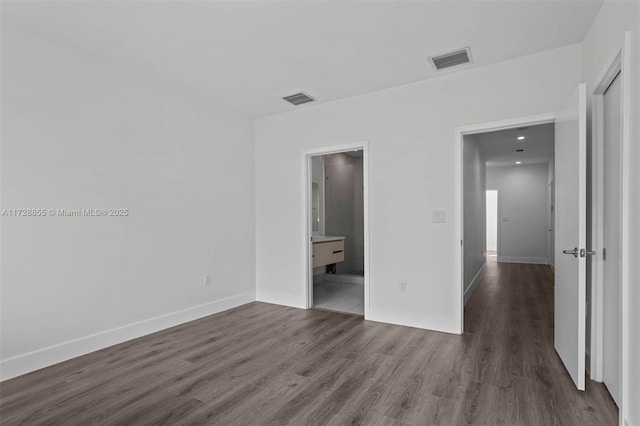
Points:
[298,98]
[451,59]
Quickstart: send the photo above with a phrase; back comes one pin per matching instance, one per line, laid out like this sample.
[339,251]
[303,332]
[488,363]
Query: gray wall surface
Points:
[522,207]
[475,210]
[344,208]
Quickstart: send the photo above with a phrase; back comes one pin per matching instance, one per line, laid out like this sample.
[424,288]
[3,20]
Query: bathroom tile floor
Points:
[339,296]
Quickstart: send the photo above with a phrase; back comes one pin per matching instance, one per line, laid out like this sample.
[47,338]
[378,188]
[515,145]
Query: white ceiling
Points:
[499,148]
[246,55]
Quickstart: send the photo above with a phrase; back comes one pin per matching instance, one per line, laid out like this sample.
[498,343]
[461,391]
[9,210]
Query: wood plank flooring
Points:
[266,364]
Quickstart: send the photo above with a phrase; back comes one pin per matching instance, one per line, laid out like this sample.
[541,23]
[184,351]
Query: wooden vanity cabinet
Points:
[326,253]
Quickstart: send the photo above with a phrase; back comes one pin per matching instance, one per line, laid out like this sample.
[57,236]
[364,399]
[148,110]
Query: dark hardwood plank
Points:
[267,364]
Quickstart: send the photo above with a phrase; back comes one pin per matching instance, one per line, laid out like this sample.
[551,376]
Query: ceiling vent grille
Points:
[298,98]
[451,59]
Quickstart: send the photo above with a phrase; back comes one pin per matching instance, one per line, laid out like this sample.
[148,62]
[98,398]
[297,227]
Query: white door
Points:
[611,288]
[570,235]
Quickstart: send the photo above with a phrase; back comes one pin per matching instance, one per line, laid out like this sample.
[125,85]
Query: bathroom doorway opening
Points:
[492,223]
[337,236]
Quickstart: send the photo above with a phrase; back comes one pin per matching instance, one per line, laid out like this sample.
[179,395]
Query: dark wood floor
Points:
[267,364]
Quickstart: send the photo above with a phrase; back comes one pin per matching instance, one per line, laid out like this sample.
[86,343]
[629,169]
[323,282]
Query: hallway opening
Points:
[492,223]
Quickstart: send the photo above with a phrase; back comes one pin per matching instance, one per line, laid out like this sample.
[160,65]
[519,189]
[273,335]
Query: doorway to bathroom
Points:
[337,229]
[492,224]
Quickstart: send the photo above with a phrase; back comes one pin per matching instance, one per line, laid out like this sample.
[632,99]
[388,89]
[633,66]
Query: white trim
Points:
[279,298]
[411,319]
[551,224]
[626,189]
[582,233]
[25,363]
[307,250]
[597,213]
[474,283]
[619,63]
[458,135]
[516,259]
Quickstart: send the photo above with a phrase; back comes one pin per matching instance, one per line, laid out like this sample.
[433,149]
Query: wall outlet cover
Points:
[439,216]
[207,279]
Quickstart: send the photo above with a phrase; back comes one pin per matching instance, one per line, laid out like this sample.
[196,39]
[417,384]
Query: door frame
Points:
[308,253]
[551,229]
[458,135]
[618,64]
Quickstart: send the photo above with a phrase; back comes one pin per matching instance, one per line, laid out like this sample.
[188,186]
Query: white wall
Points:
[410,130]
[475,210]
[604,39]
[522,211]
[80,133]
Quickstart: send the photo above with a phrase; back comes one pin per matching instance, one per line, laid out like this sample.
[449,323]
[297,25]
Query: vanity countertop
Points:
[325,238]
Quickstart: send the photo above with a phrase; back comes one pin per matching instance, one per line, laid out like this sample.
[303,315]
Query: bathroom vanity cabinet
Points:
[327,250]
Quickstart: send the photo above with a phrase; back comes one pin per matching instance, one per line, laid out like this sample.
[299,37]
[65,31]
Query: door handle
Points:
[584,252]
[574,252]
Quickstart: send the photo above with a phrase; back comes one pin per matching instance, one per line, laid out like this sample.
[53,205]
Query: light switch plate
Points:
[439,216]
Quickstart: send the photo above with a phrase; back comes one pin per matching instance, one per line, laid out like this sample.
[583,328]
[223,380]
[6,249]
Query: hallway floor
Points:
[267,364]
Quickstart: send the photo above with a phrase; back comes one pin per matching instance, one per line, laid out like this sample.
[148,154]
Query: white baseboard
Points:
[25,363]
[410,319]
[474,283]
[283,299]
[533,260]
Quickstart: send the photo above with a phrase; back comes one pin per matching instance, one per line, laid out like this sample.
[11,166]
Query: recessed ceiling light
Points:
[520,138]
[518,162]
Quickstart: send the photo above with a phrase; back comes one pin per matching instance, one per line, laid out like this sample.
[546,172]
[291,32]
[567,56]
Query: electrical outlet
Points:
[438,216]
[403,287]
[207,280]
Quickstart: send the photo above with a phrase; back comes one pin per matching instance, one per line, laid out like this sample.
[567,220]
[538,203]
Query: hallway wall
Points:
[522,221]
[475,212]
